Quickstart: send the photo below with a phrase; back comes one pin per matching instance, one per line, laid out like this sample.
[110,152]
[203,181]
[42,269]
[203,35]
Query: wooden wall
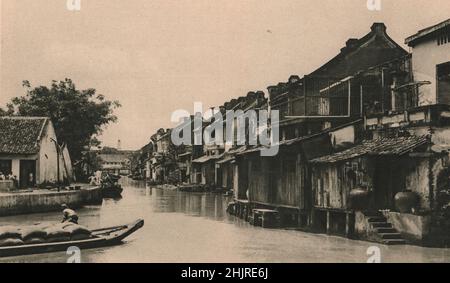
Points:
[291,181]
[259,180]
[279,181]
[332,183]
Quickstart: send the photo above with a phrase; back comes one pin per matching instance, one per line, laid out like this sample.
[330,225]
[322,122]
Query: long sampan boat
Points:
[100,238]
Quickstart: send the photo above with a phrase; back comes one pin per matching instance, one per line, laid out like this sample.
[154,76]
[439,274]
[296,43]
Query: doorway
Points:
[6,167]
[389,179]
[27,173]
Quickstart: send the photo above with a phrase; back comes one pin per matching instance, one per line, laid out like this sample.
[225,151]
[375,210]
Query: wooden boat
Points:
[112,191]
[100,238]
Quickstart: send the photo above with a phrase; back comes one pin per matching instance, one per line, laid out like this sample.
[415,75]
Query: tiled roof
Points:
[387,146]
[372,49]
[21,135]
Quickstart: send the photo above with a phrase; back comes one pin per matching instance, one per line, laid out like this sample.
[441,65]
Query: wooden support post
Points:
[328,222]
[361,104]
[349,102]
[347,225]
[299,220]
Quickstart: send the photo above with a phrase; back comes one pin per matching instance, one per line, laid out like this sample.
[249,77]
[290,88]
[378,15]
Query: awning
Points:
[185,154]
[225,160]
[206,158]
[412,84]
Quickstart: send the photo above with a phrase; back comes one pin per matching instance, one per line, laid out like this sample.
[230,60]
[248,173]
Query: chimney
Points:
[273,90]
[351,43]
[259,97]
[119,145]
[294,79]
[379,28]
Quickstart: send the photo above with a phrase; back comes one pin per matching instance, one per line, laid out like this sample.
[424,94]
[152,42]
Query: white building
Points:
[28,151]
[431,63]
[116,163]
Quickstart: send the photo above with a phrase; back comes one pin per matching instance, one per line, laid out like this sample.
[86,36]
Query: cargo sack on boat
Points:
[33,232]
[12,242]
[56,233]
[78,232]
[9,232]
[77,229]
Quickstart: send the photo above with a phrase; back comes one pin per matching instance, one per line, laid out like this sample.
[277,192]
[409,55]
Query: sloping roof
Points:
[237,150]
[372,49]
[206,158]
[188,153]
[300,139]
[230,155]
[412,40]
[226,159]
[380,147]
[21,135]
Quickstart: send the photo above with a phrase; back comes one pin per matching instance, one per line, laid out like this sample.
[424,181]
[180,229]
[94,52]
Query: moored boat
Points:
[110,186]
[112,191]
[100,238]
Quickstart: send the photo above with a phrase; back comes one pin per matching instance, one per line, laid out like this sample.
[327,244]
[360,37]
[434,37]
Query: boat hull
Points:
[102,238]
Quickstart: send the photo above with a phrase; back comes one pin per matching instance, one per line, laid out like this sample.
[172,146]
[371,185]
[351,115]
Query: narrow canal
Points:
[187,227]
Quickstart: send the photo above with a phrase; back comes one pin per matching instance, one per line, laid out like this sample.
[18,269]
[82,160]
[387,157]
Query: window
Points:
[443,83]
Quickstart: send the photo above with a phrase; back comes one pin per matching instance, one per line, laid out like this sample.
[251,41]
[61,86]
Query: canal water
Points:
[193,227]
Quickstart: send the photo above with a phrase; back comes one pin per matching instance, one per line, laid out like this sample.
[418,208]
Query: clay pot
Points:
[406,201]
[359,198]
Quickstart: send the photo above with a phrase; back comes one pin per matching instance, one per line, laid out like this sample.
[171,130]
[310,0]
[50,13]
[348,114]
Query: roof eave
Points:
[413,40]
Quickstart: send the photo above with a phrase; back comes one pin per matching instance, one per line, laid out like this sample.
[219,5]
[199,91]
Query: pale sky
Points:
[156,56]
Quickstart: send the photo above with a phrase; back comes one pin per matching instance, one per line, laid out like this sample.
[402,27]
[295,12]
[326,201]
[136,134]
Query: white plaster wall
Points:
[344,136]
[440,137]
[425,57]
[418,181]
[16,167]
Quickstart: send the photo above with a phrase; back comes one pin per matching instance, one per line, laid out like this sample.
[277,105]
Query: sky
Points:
[157,56]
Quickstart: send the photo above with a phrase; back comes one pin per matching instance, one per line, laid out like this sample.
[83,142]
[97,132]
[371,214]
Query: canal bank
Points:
[37,201]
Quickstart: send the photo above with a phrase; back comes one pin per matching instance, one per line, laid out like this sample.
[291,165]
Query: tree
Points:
[9,110]
[77,115]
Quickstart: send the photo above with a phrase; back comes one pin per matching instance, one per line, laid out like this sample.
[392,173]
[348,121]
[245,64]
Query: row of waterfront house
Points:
[363,151]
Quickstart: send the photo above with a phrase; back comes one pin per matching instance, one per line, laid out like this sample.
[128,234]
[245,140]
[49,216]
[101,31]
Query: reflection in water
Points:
[207,205]
[194,227]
